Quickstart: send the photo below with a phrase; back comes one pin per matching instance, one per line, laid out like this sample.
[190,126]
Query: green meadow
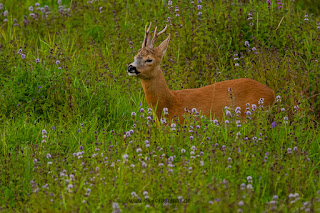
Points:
[77,135]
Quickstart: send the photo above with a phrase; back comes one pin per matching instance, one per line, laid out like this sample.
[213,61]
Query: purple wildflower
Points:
[163,120]
[125,157]
[238,110]
[280,4]
[261,101]
[165,111]
[254,107]
[173,126]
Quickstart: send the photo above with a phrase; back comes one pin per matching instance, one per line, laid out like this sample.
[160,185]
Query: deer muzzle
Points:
[132,70]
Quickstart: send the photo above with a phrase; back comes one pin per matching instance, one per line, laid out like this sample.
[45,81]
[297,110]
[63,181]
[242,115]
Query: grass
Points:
[69,142]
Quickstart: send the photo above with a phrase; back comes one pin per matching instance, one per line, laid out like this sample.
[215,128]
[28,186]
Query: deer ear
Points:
[162,48]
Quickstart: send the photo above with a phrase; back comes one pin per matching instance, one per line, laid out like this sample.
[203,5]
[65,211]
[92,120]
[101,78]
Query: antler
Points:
[156,35]
[147,41]
[147,37]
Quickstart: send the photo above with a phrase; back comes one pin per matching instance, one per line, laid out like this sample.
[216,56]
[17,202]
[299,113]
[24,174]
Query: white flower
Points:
[242,186]
[133,194]
[165,111]
[116,207]
[125,157]
[249,186]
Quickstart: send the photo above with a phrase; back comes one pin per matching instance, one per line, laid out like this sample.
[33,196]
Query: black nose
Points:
[132,69]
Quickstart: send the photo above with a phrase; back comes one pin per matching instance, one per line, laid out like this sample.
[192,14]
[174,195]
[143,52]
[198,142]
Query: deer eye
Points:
[148,61]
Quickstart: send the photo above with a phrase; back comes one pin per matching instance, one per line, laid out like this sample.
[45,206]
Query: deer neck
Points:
[157,93]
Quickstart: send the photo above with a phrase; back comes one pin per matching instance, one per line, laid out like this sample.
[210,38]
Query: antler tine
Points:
[155,32]
[149,36]
[162,31]
[156,35]
[146,35]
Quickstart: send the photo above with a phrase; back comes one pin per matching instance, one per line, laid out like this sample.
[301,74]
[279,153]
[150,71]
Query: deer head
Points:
[146,64]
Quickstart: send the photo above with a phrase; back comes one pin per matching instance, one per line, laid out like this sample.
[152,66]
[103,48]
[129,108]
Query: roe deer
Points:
[210,100]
